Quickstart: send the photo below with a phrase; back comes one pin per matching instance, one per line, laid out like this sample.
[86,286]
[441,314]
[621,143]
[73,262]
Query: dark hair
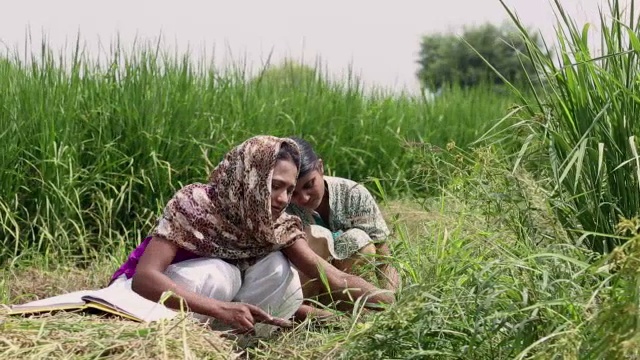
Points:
[308,157]
[287,152]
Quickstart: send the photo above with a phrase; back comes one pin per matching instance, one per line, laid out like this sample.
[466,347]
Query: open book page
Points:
[110,309]
[121,297]
[117,299]
[66,301]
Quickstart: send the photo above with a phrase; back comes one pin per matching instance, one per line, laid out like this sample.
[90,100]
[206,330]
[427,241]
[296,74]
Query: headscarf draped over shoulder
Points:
[230,217]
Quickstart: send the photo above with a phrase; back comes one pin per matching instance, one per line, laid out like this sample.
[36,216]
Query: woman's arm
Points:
[150,282]
[387,274]
[371,221]
[313,266]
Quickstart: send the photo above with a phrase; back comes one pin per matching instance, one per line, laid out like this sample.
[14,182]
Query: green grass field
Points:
[505,205]
[93,153]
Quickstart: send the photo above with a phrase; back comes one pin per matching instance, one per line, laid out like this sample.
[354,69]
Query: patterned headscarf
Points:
[230,217]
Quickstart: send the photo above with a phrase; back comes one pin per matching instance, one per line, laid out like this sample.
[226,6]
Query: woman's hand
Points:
[343,286]
[387,273]
[243,317]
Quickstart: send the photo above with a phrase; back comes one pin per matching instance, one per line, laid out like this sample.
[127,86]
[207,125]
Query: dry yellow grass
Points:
[83,336]
[67,335]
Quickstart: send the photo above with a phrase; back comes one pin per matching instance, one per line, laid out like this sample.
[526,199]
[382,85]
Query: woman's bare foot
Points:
[307,311]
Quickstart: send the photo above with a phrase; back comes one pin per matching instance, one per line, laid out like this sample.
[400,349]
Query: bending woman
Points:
[227,247]
[341,218]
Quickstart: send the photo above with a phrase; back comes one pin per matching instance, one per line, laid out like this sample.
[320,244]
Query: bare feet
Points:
[307,311]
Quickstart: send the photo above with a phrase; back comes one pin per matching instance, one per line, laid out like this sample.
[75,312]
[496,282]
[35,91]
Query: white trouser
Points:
[272,284]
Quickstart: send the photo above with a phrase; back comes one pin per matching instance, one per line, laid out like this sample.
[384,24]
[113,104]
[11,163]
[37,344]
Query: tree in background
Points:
[447,59]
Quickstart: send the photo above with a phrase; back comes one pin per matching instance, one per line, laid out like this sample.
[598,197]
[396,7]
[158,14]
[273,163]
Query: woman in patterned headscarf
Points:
[228,248]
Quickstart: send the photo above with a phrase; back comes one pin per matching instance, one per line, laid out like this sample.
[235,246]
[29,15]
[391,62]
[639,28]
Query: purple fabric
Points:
[129,266]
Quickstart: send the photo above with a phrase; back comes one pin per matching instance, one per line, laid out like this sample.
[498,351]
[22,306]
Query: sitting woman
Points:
[341,218]
[228,248]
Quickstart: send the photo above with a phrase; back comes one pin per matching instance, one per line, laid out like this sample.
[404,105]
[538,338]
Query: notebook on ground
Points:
[115,299]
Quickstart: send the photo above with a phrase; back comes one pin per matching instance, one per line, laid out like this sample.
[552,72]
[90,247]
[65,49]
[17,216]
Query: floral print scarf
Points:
[230,216]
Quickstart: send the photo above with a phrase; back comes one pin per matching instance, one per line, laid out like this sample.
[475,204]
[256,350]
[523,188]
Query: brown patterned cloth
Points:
[230,217]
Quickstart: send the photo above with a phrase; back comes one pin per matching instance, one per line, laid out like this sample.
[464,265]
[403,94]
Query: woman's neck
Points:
[324,209]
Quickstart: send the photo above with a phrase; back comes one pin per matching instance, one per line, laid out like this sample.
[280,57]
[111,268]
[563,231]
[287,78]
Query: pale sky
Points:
[380,39]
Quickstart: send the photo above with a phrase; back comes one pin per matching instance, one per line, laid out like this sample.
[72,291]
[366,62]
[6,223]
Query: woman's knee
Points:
[369,249]
[273,285]
[213,278]
[318,240]
[273,266]
[353,263]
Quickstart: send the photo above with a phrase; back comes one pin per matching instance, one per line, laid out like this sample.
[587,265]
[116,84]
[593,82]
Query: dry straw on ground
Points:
[81,336]
[66,335]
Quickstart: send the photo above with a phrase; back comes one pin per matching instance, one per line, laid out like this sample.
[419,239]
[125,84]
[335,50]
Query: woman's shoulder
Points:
[346,187]
[342,184]
[305,216]
[192,187]
[191,191]
[335,180]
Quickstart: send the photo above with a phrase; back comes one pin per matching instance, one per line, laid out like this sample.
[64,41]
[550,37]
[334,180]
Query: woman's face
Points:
[309,190]
[283,183]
